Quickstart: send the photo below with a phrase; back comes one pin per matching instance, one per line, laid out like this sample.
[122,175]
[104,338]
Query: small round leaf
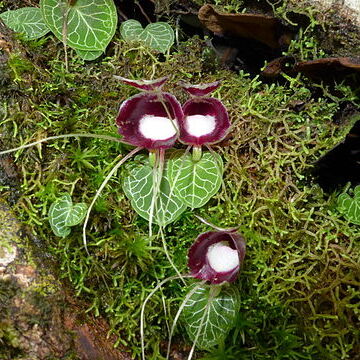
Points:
[63,214]
[159,36]
[349,206]
[130,30]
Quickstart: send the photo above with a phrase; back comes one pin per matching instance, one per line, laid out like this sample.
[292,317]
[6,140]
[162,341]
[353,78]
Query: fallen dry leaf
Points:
[265,29]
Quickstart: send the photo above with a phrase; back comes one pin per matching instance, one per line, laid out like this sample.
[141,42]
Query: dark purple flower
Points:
[149,119]
[205,120]
[217,256]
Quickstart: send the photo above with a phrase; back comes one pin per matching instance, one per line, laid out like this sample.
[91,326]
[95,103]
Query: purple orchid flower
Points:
[216,256]
[149,119]
[205,119]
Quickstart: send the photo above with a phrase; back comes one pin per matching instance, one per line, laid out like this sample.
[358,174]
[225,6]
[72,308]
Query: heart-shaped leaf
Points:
[349,206]
[195,182]
[210,313]
[63,214]
[158,36]
[130,30]
[138,187]
[91,24]
[27,20]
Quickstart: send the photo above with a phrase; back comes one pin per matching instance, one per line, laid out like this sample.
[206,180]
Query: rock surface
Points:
[38,319]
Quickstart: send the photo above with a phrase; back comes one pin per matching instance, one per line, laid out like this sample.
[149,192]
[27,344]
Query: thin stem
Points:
[143,12]
[121,14]
[98,192]
[183,304]
[206,222]
[165,310]
[73,186]
[142,318]
[199,331]
[163,211]
[64,35]
[104,137]
[168,255]
[161,167]
[197,153]
[155,188]
[178,18]
[143,49]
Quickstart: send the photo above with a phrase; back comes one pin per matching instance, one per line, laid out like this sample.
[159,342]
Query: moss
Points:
[300,280]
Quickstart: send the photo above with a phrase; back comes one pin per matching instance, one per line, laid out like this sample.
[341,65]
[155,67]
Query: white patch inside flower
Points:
[157,127]
[199,125]
[222,258]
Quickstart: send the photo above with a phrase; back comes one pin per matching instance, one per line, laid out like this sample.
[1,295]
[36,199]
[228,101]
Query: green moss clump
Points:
[300,283]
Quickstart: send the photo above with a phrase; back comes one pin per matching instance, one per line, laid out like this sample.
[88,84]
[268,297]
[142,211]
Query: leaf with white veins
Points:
[91,24]
[210,313]
[63,214]
[349,206]
[158,36]
[130,30]
[138,187]
[88,55]
[195,182]
[27,20]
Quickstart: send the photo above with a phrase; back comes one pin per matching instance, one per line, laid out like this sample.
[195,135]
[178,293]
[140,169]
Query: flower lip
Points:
[205,121]
[222,258]
[200,89]
[145,85]
[144,121]
[204,261]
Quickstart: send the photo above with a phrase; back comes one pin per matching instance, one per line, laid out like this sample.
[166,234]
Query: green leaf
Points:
[195,182]
[211,312]
[138,187]
[27,20]
[130,30]
[63,214]
[91,24]
[349,206]
[88,55]
[158,36]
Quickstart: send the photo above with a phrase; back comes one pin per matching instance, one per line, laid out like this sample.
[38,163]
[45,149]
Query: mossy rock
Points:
[300,282]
